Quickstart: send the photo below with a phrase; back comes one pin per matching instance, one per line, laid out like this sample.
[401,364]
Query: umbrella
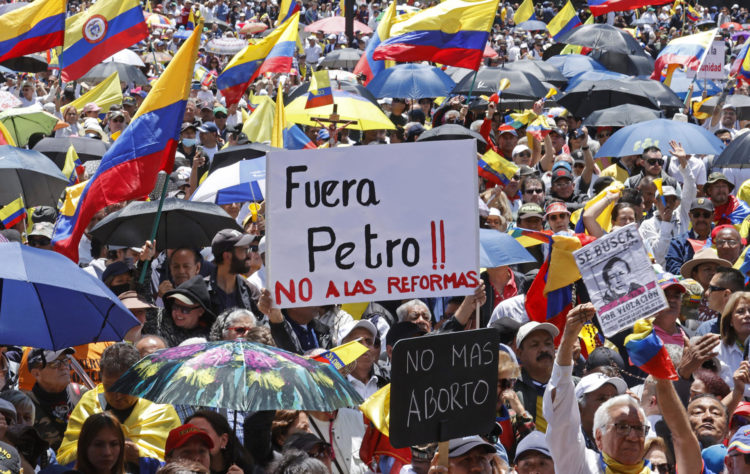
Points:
[226,46]
[497,249]
[126,56]
[532,25]
[336,25]
[8,100]
[344,58]
[572,64]
[630,64]
[244,181]
[126,72]
[522,84]
[341,75]
[589,96]
[541,70]
[735,154]
[157,57]
[740,102]
[633,139]
[28,63]
[157,20]
[253,27]
[595,75]
[367,115]
[411,81]
[237,375]
[234,154]
[30,174]
[47,301]
[22,122]
[620,116]
[223,25]
[731,25]
[353,87]
[602,36]
[451,131]
[643,21]
[182,224]
[458,73]
[56,149]
[489,52]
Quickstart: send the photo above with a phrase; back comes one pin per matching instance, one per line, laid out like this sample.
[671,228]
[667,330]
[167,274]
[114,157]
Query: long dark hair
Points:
[234,452]
[89,431]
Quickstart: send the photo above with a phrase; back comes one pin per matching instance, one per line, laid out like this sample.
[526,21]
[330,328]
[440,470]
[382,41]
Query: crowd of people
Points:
[565,404]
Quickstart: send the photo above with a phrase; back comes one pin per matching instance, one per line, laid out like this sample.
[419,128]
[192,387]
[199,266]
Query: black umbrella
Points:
[356,89]
[234,154]
[602,36]
[735,154]
[522,84]
[630,64]
[589,96]
[30,174]
[621,116]
[126,72]
[452,131]
[740,102]
[56,149]
[28,63]
[344,58]
[182,224]
[457,73]
[545,72]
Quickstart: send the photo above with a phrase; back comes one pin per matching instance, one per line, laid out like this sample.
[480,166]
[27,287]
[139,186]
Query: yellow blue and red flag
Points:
[191,21]
[319,92]
[602,7]
[496,169]
[272,54]
[565,21]
[13,213]
[72,162]
[741,65]
[287,9]
[647,351]
[36,27]
[367,65]
[129,168]
[100,31]
[686,51]
[692,14]
[453,33]
[525,12]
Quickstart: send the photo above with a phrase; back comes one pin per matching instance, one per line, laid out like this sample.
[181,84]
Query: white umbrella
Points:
[239,182]
[126,56]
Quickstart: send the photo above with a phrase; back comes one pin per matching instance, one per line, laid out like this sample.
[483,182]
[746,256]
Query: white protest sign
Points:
[618,276]
[366,223]
[713,65]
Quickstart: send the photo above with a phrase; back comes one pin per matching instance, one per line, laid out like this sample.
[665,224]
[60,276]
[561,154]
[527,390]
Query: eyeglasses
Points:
[725,140]
[603,134]
[505,384]
[556,217]
[241,330]
[184,309]
[655,161]
[59,364]
[624,429]
[715,288]
[119,120]
[704,215]
[39,242]
[727,242]
[253,248]
[524,154]
[534,191]
[665,468]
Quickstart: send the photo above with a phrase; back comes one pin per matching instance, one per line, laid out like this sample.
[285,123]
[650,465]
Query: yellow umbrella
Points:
[367,115]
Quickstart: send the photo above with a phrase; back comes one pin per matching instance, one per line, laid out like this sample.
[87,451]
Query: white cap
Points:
[495,212]
[594,381]
[519,149]
[347,328]
[669,191]
[532,326]
[534,441]
[262,245]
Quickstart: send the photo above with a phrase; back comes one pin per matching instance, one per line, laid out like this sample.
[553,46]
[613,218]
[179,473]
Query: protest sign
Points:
[619,278]
[443,387]
[712,66]
[367,223]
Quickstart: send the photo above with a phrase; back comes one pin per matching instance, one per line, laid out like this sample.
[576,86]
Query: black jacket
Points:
[247,295]
[285,337]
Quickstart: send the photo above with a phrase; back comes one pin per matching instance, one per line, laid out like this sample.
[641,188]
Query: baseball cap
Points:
[507,129]
[740,441]
[40,357]
[44,214]
[743,410]
[182,434]
[226,239]
[530,209]
[507,327]
[114,269]
[532,326]
[7,408]
[402,330]
[91,107]
[669,191]
[702,203]
[303,441]
[460,446]
[10,460]
[220,109]
[524,170]
[116,114]
[187,125]
[129,101]
[594,381]
[131,301]
[42,229]
[208,127]
[667,280]
[604,356]
[534,441]
[347,328]
[561,173]
[520,149]
[556,208]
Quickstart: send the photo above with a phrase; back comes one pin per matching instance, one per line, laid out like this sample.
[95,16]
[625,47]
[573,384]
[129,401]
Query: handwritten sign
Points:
[370,222]
[618,276]
[443,387]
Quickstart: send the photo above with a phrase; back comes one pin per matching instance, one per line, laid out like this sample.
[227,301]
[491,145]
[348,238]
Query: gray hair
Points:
[118,358]
[294,461]
[19,399]
[603,415]
[403,310]
[224,321]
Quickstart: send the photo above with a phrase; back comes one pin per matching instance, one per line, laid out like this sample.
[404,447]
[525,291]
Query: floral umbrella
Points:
[237,375]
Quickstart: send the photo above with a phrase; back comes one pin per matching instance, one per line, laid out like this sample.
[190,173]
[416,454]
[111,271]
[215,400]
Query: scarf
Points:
[610,466]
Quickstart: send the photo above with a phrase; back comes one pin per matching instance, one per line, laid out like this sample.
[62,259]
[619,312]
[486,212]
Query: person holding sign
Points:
[620,426]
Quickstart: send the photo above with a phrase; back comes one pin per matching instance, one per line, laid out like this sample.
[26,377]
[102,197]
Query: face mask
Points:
[118,289]
[189,142]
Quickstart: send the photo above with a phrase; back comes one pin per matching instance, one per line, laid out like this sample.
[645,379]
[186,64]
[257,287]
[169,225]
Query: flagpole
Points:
[471,89]
[156,223]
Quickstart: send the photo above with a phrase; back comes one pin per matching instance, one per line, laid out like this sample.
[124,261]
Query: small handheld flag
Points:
[13,213]
[647,351]
[319,92]
[72,162]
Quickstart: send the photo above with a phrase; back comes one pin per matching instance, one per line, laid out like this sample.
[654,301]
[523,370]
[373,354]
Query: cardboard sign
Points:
[443,387]
[620,280]
[368,223]
[713,65]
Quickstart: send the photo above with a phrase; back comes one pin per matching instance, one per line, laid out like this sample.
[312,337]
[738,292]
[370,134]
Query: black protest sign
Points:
[443,387]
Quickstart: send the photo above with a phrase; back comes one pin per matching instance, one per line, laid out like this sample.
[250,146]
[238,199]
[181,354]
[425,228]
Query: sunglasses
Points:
[220,116]
[184,309]
[534,191]
[655,161]
[241,330]
[704,215]
[556,217]
[524,154]
[665,468]
[39,242]
[716,288]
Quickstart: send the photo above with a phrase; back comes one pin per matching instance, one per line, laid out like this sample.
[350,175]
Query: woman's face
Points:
[25,415]
[624,217]
[71,116]
[741,320]
[219,441]
[186,316]
[104,450]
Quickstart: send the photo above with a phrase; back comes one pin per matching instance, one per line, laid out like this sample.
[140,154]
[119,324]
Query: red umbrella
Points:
[253,27]
[336,24]
[731,24]
[489,52]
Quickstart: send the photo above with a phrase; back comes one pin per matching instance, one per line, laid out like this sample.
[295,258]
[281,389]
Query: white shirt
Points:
[730,358]
[312,53]
[365,390]
[696,166]
[346,439]
[258,278]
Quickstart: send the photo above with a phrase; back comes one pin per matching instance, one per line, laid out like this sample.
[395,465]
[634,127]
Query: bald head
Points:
[150,344]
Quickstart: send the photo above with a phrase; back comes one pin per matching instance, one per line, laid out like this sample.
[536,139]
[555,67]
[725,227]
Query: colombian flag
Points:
[99,32]
[686,51]
[566,20]
[602,7]
[272,54]
[72,162]
[319,92]
[647,351]
[13,213]
[453,33]
[496,169]
[692,14]
[106,94]
[525,12]
[287,9]
[129,168]
[741,65]
[367,65]
[342,355]
[35,27]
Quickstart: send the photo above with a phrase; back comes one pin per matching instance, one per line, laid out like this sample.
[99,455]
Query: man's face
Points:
[367,339]
[522,158]
[116,124]
[208,139]
[703,273]
[592,402]
[718,297]
[420,316]
[220,119]
[507,142]
[533,192]
[240,262]
[559,221]
[648,191]
[55,376]
[537,351]
[617,278]
[735,463]
[718,192]
[182,266]
[725,137]
[674,300]
[563,187]
[627,449]
[708,419]
[728,244]
[557,141]
[652,163]
[118,401]
[534,462]
[728,118]
[194,450]
[475,461]
[701,221]
[532,223]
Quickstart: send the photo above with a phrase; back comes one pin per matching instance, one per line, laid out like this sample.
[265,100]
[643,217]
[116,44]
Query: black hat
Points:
[560,173]
[604,356]
[226,239]
[702,203]
[10,460]
[114,269]
[402,330]
[44,214]
[129,101]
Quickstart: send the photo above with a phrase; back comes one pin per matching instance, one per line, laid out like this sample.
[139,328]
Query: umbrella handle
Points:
[156,225]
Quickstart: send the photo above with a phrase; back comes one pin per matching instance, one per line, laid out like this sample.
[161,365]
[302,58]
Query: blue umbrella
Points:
[413,81]
[593,75]
[680,84]
[572,64]
[244,181]
[633,139]
[47,301]
[498,248]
